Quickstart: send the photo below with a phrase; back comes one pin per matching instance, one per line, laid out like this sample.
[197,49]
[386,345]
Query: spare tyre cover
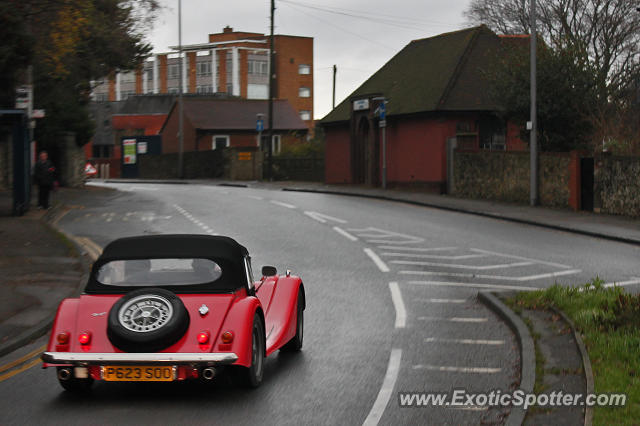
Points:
[147,320]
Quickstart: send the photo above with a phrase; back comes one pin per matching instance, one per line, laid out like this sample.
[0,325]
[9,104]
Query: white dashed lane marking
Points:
[193,220]
[452,369]
[281,204]
[464,341]
[398,304]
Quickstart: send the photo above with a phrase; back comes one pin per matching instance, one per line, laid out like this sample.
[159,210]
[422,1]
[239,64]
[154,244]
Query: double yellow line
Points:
[32,359]
[23,363]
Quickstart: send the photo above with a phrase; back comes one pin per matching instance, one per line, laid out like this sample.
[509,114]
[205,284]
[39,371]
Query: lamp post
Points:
[180,104]
[533,140]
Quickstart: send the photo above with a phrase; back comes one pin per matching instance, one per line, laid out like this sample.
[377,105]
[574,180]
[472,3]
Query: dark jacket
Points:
[44,173]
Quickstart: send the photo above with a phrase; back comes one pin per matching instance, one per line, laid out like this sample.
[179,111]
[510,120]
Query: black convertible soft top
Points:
[225,251]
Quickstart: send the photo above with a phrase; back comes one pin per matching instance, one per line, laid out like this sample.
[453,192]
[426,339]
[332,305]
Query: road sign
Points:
[259,125]
[360,104]
[24,96]
[383,123]
[383,111]
[244,156]
[38,113]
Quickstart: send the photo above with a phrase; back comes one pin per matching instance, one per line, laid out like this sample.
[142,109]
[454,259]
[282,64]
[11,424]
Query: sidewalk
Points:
[38,268]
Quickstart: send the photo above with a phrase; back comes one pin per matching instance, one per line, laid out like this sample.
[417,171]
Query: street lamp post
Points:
[533,142]
[180,104]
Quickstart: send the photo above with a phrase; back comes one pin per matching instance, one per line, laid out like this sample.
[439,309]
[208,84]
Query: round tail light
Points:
[227,337]
[203,337]
[85,338]
[63,338]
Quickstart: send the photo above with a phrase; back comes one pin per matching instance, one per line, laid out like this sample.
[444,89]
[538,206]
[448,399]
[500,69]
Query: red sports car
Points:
[174,307]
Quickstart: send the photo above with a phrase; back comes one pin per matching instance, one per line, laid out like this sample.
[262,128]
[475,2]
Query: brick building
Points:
[232,62]
[211,124]
[437,95]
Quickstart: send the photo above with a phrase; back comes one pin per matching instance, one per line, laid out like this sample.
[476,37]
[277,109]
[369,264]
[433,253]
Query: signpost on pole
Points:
[382,115]
[259,127]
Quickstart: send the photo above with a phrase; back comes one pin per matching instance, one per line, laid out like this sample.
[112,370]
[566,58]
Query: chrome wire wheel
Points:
[145,313]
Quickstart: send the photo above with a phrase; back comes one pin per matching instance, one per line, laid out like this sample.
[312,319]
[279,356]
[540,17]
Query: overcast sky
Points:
[358,46]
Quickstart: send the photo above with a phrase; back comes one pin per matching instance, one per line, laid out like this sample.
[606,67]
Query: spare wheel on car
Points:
[147,320]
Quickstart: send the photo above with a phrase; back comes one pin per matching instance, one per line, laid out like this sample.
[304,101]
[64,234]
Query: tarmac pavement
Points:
[39,266]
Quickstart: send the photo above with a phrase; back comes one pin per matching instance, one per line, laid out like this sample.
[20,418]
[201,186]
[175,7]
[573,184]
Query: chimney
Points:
[227,29]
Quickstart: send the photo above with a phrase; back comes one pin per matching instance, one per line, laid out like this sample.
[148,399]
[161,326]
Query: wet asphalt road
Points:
[391,306]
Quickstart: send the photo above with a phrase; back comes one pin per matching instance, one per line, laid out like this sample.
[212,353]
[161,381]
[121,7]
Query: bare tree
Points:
[607,32]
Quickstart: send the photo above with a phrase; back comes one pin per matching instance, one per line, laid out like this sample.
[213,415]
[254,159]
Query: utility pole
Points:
[533,140]
[180,105]
[333,103]
[271,90]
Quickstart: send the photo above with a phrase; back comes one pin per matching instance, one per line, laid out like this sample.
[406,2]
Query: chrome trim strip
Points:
[138,358]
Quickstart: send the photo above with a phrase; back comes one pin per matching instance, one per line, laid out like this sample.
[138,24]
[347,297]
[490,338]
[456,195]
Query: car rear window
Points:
[158,272]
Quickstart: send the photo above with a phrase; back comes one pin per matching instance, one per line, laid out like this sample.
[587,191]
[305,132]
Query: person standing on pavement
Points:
[44,175]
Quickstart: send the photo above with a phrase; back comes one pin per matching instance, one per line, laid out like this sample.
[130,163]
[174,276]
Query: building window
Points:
[220,141]
[102,151]
[275,144]
[173,71]
[173,90]
[305,115]
[205,88]
[203,68]
[100,97]
[230,88]
[304,92]
[257,91]
[127,77]
[257,67]
[304,69]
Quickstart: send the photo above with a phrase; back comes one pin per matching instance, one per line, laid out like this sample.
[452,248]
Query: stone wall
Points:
[504,176]
[196,165]
[617,185]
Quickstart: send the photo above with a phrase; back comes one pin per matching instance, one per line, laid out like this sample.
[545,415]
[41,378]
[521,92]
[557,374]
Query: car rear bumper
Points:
[85,359]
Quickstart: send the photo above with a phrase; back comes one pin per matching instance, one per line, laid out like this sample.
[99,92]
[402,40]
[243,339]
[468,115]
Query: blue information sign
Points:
[383,110]
[260,125]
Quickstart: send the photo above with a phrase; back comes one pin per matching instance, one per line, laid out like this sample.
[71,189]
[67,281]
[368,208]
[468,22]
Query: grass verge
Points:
[609,322]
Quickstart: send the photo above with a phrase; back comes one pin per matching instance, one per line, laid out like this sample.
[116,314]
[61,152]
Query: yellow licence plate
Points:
[139,373]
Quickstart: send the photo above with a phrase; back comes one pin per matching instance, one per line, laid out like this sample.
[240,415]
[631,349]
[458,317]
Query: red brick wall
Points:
[514,143]
[244,72]
[170,134]
[222,70]
[290,53]
[162,72]
[191,69]
[337,154]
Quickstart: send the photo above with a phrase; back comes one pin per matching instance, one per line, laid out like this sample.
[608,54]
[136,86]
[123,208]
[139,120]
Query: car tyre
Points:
[295,344]
[252,376]
[171,321]
[75,385]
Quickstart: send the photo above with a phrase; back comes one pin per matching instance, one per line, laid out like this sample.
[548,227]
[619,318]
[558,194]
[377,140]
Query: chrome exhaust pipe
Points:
[64,374]
[208,373]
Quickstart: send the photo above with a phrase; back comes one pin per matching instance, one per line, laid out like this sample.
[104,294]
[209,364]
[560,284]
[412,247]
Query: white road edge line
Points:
[453,319]
[281,204]
[444,300]
[458,266]
[559,265]
[433,256]
[465,341]
[345,233]
[398,304]
[494,277]
[457,369]
[633,281]
[417,248]
[386,390]
[376,259]
[474,285]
